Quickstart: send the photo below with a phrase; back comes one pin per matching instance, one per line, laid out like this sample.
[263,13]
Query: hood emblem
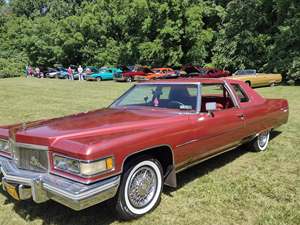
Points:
[23,126]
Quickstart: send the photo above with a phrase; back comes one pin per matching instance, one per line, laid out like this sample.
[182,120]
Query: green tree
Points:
[244,40]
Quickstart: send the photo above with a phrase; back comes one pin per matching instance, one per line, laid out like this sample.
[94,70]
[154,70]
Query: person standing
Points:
[26,71]
[70,73]
[80,72]
[37,72]
[30,71]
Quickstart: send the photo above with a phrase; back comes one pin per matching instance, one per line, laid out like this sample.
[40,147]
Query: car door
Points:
[256,116]
[109,74]
[220,130]
[261,79]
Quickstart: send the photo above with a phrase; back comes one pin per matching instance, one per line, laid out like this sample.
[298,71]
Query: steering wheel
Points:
[174,104]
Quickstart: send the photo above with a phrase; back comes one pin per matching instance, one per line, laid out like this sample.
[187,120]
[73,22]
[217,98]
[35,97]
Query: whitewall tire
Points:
[140,189]
[261,142]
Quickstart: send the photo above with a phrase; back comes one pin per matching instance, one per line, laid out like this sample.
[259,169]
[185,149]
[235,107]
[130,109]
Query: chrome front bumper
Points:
[119,78]
[42,187]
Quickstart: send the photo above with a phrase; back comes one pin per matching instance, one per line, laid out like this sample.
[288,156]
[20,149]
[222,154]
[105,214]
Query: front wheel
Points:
[99,79]
[129,79]
[260,143]
[140,189]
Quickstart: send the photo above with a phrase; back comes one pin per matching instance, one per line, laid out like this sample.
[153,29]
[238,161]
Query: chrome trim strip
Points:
[32,146]
[232,95]
[199,99]
[16,178]
[84,195]
[186,143]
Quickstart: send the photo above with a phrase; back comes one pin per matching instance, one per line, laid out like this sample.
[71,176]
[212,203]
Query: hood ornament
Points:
[23,126]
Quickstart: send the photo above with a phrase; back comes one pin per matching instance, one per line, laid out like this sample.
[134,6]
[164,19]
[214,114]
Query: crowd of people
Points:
[33,72]
[37,72]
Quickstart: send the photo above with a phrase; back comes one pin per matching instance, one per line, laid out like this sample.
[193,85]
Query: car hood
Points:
[104,122]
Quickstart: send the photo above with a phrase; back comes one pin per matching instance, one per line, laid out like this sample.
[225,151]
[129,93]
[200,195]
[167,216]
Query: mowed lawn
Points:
[238,187]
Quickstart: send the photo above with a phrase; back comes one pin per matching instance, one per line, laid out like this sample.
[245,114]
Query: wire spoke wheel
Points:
[142,187]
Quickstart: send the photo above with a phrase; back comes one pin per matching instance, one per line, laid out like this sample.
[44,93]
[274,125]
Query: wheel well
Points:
[248,82]
[163,154]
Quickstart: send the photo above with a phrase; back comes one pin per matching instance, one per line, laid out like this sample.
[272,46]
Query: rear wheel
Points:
[140,189]
[99,79]
[260,143]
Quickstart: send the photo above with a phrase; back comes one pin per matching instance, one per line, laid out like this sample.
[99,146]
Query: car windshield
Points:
[103,70]
[172,96]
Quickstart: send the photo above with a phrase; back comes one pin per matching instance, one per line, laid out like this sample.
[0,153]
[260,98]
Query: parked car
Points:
[149,74]
[204,72]
[63,73]
[254,79]
[165,73]
[131,149]
[158,73]
[130,74]
[103,74]
[51,73]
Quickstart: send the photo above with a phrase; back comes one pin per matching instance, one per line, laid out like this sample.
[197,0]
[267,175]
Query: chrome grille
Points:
[31,159]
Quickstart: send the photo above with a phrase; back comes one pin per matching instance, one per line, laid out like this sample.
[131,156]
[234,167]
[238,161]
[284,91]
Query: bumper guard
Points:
[42,187]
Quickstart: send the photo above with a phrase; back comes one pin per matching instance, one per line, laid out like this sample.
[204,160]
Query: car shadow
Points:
[206,167]
[210,165]
[54,213]
[51,212]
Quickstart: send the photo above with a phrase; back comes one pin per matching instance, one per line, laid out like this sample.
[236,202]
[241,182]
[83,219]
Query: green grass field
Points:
[238,187]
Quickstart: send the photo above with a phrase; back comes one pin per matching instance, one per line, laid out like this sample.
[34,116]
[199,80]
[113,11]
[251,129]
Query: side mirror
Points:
[211,107]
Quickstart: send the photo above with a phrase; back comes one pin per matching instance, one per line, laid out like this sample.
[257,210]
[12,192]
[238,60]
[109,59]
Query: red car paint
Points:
[129,75]
[120,132]
[204,72]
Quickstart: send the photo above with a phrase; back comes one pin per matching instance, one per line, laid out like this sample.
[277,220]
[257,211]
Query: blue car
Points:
[103,74]
[63,73]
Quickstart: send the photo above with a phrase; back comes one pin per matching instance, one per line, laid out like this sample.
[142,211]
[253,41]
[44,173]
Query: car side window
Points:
[242,97]
[165,93]
[216,93]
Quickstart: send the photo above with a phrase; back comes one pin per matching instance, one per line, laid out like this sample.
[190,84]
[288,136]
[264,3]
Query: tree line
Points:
[230,34]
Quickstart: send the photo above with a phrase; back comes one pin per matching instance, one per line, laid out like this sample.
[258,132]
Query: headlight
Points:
[4,146]
[82,168]
[66,164]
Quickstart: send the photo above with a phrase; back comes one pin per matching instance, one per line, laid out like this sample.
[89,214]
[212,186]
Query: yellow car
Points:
[254,79]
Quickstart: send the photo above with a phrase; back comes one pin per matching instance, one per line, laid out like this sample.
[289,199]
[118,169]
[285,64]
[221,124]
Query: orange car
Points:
[158,73]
